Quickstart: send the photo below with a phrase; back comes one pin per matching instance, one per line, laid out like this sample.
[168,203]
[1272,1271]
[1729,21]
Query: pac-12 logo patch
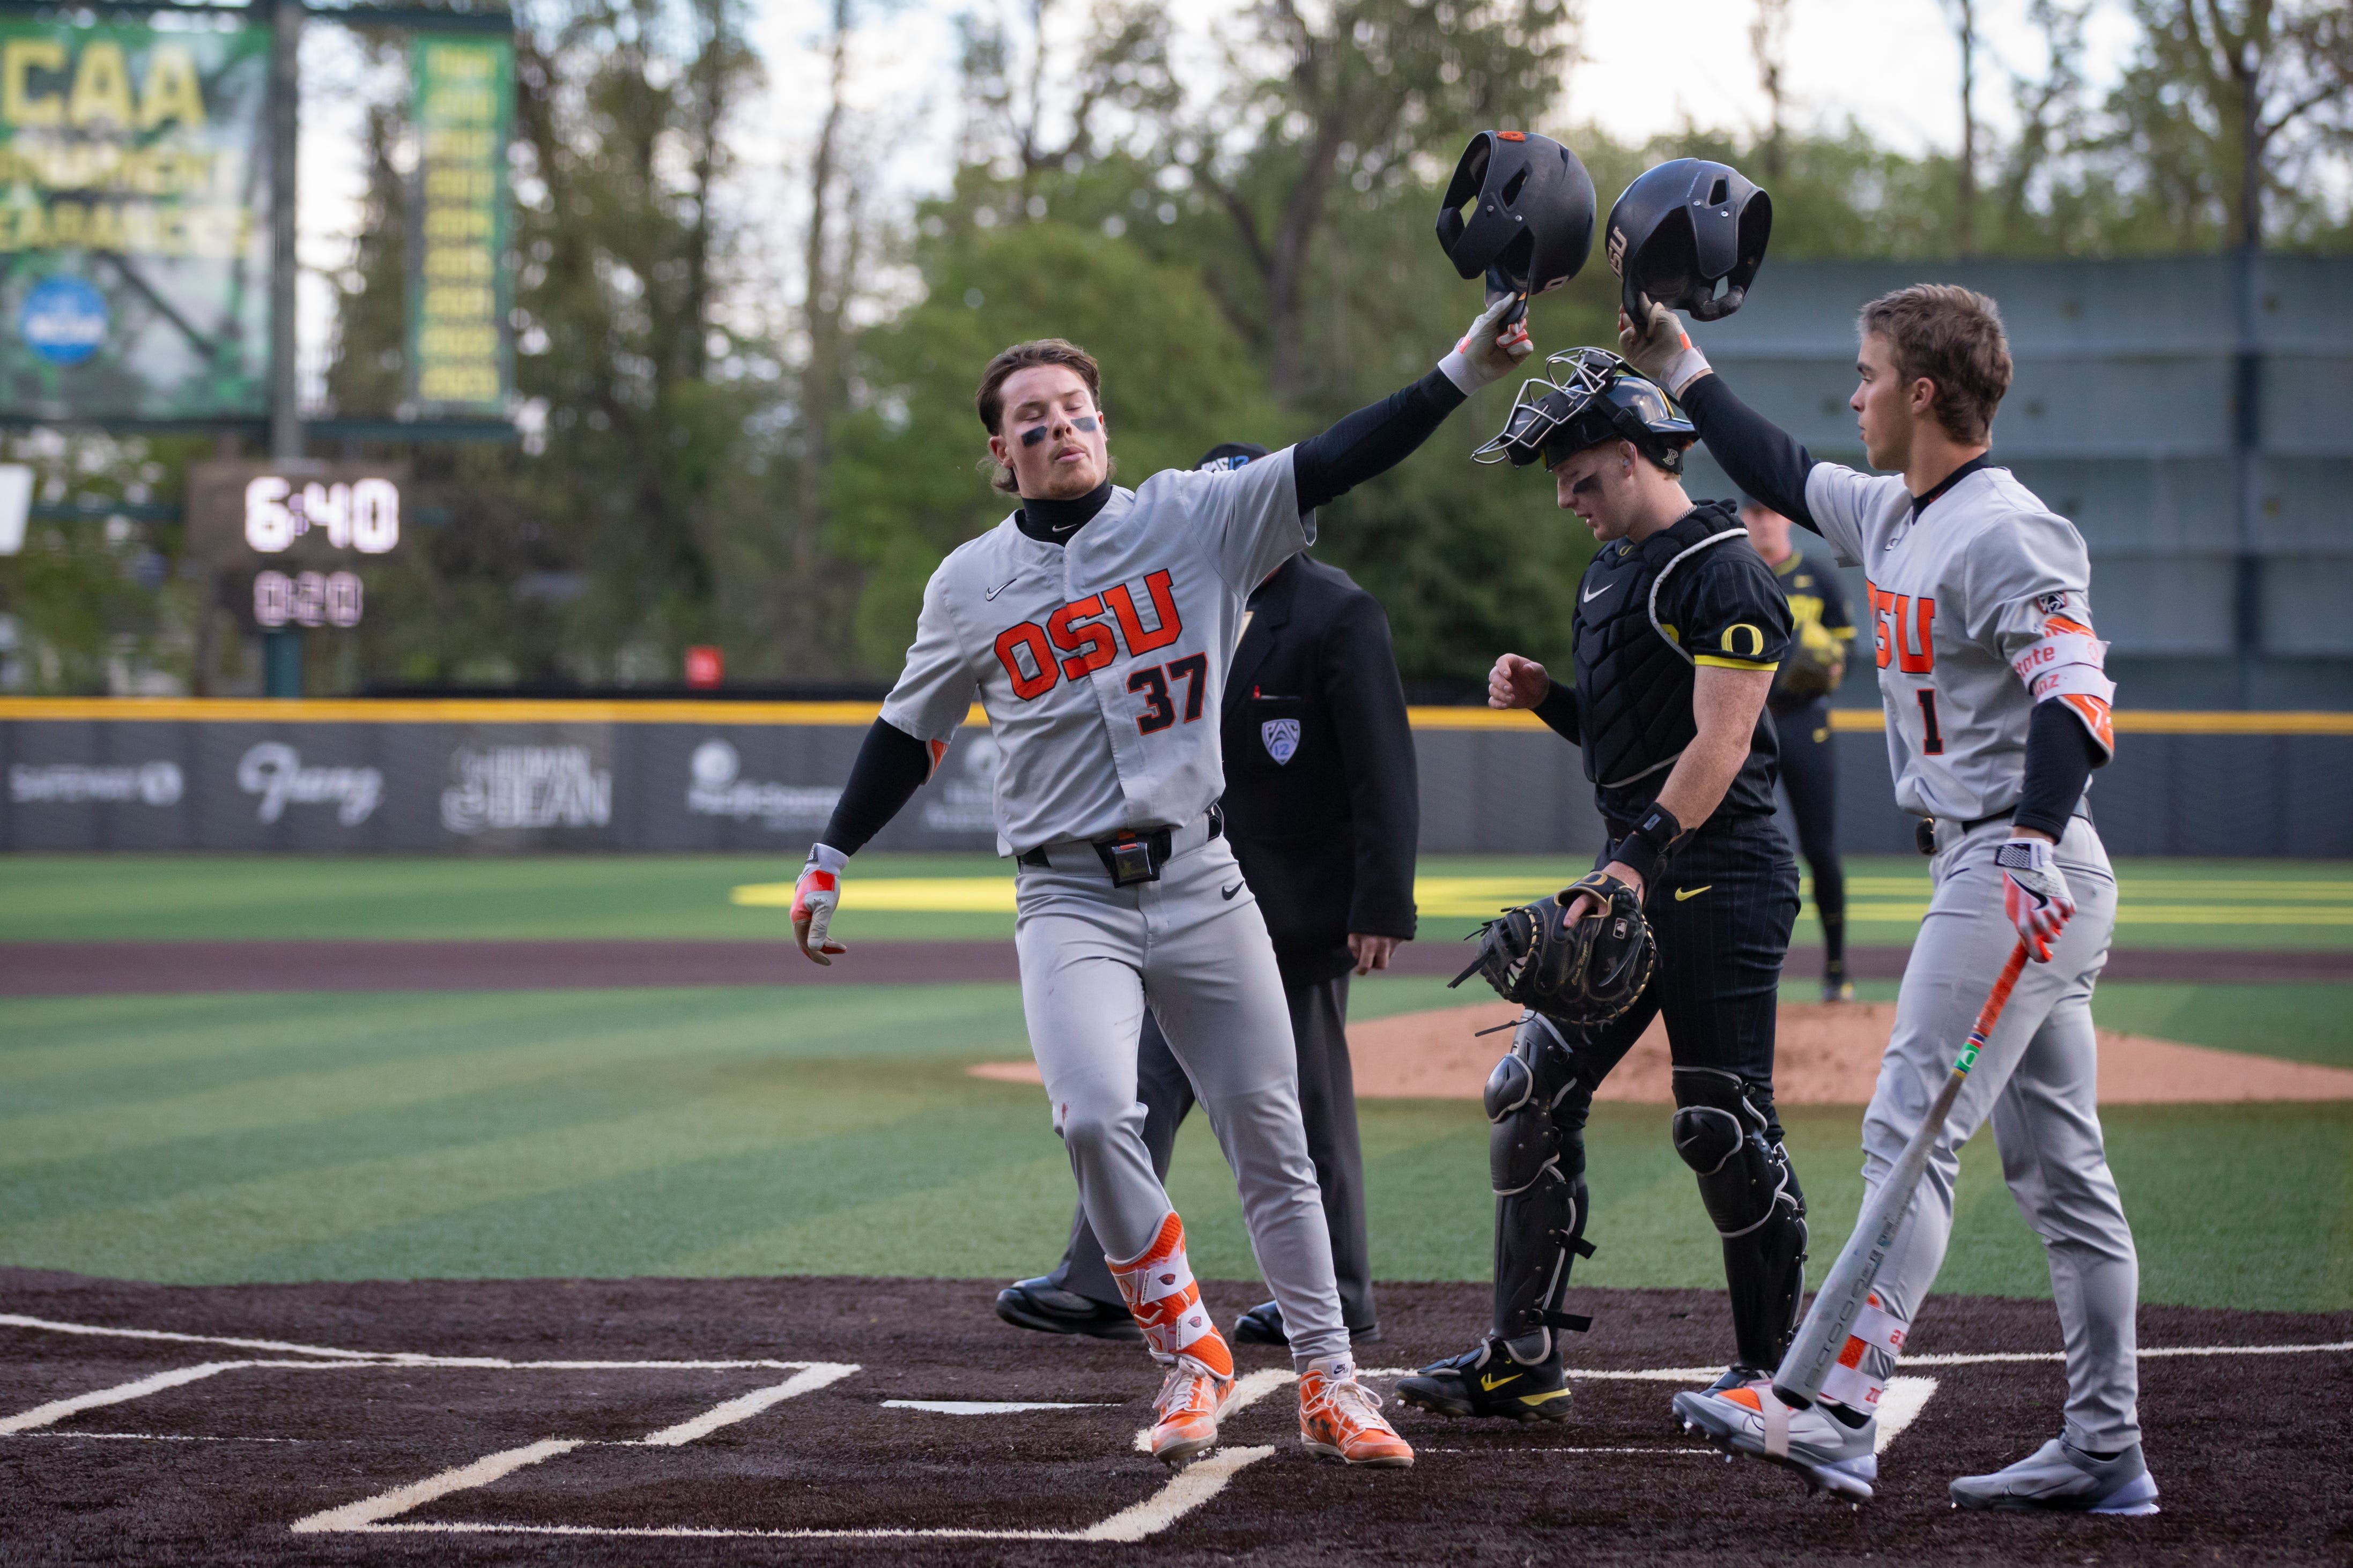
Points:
[2052,603]
[1281,739]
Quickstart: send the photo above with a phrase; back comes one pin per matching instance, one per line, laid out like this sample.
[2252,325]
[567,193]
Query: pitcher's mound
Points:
[1824,1054]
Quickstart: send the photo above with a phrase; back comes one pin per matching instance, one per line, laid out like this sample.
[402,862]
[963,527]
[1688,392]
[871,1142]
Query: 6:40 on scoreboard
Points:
[288,539]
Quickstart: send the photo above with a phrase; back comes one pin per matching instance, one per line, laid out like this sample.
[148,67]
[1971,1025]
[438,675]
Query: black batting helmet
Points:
[1584,397]
[1689,234]
[1531,204]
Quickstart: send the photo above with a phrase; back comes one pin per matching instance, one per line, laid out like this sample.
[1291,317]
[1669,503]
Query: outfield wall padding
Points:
[401,778]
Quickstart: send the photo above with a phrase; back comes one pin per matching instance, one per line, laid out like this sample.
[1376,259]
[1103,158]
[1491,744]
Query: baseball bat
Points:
[1848,1285]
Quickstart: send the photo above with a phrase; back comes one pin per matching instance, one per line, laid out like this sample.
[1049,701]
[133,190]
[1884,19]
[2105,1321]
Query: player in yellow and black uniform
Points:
[1677,632]
[1800,706]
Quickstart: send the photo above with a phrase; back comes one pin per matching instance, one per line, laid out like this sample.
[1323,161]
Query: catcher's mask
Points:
[1584,397]
[1531,207]
[1689,234]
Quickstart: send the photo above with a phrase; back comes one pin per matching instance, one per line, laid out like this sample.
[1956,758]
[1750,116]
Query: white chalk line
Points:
[817,1376]
[57,1410]
[1900,1403]
[1193,1485]
[370,1510]
[389,1358]
[989,1406]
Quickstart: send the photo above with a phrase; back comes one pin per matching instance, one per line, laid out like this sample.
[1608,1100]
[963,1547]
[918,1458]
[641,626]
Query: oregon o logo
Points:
[1732,640]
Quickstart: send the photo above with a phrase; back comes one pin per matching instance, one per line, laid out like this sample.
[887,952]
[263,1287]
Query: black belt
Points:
[1131,858]
[1924,832]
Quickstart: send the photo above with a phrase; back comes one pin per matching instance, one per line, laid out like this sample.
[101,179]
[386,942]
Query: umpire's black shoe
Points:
[1262,1325]
[1488,1382]
[1041,1305]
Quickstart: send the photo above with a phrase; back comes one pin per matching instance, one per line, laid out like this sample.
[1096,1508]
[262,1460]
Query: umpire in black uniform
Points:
[1323,808]
[1800,706]
[1677,628]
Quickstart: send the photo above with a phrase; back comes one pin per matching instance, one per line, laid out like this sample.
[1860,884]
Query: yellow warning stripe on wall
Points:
[857,715]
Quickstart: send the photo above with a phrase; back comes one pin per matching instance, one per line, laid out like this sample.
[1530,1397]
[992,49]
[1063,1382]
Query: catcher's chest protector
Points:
[1633,686]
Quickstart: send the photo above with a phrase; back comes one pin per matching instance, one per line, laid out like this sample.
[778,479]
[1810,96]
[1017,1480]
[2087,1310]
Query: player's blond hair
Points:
[989,401]
[1952,336]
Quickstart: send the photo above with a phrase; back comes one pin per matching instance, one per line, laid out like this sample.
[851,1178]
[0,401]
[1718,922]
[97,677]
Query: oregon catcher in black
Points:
[1679,626]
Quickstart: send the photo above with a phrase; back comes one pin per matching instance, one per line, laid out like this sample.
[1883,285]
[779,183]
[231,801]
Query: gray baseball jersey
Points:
[1102,662]
[1980,607]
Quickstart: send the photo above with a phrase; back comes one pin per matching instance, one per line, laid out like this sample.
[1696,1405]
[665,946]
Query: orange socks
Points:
[1160,1291]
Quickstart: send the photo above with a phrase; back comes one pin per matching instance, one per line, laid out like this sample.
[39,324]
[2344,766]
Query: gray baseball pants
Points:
[1194,947]
[2037,1080]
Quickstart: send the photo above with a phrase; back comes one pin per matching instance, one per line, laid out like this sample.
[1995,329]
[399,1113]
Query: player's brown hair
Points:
[1952,336]
[989,401]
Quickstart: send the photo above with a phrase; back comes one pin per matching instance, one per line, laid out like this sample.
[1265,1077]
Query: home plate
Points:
[980,1406]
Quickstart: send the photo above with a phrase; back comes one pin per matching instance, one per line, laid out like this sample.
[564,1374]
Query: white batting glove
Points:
[1661,349]
[2034,893]
[1488,353]
[815,897]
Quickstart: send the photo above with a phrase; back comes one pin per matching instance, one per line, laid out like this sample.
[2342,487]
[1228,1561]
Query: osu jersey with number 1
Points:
[1980,607]
[1101,662]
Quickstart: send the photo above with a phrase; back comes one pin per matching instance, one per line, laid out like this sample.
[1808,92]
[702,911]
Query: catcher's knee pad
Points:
[1536,1158]
[1721,1130]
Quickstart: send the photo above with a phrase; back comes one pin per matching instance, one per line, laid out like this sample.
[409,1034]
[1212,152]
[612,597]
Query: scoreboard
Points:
[290,536]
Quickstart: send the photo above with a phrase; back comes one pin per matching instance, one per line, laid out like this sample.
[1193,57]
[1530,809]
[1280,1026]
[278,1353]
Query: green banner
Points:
[460,353]
[134,221]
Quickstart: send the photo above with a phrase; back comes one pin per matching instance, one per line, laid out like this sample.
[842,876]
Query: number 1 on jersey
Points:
[1932,739]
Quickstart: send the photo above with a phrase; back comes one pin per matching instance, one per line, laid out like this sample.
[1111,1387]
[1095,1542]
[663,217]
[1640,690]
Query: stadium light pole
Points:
[281,649]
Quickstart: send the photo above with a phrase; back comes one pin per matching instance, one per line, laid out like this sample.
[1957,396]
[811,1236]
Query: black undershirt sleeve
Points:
[891,766]
[2060,757]
[1558,710]
[1372,440]
[1760,457]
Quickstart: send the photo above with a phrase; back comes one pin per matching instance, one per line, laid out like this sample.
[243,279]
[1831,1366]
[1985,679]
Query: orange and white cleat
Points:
[1192,1398]
[1161,1294]
[1341,1417]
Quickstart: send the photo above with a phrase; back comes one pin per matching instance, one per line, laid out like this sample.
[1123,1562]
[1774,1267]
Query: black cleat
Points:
[1487,1382]
[1262,1325]
[1038,1304]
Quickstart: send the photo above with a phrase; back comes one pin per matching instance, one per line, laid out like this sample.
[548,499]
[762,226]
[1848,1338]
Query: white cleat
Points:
[1832,1456]
[2059,1477]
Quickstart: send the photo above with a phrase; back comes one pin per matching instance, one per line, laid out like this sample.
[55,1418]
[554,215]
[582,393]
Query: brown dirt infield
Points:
[162,968]
[1823,1056]
[2250,1450]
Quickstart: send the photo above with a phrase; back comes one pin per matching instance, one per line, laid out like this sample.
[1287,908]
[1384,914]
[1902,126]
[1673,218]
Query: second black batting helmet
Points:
[1689,236]
[1584,397]
[1531,208]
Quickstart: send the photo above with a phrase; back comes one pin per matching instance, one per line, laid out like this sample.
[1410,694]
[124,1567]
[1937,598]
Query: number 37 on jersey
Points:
[1085,635]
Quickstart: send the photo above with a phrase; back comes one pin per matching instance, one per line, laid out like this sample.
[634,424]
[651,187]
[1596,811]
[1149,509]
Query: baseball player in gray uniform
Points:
[1998,711]
[1095,627]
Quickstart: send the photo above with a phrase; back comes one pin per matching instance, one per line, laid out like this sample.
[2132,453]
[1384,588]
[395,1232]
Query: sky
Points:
[1647,66]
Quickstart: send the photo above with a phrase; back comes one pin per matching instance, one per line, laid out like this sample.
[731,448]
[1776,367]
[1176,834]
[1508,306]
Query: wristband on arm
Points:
[1648,846]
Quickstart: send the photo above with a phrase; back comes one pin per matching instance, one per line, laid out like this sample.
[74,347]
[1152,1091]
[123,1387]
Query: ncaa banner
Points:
[134,234]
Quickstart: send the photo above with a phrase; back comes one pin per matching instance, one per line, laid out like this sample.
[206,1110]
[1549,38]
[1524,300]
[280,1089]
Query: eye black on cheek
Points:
[1084,422]
[1035,434]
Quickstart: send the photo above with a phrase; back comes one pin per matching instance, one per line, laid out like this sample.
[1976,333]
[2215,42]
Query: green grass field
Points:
[2166,904]
[215,1139]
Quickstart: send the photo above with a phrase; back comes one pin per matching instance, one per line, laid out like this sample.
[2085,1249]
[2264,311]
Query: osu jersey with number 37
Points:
[1980,609]
[1101,662]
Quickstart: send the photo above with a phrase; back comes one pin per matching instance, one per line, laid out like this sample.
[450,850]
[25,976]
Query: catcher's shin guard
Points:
[1536,1158]
[1722,1131]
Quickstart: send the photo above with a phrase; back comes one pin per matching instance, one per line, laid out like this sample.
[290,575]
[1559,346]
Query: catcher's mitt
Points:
[1587,972]
[1814,666]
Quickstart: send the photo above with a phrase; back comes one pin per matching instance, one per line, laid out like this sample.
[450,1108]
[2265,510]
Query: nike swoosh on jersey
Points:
[1227,893]
[1490,1383]
[1684,893]
[1002,586]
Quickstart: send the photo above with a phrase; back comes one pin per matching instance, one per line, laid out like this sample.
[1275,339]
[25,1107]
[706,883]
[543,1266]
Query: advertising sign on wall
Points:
[134,232]
[460,358]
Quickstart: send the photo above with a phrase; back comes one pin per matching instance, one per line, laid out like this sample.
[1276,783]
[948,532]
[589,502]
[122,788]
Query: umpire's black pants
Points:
[1327,1103]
